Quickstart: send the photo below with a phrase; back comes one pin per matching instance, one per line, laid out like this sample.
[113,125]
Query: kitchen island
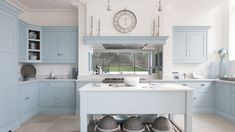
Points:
[142,99]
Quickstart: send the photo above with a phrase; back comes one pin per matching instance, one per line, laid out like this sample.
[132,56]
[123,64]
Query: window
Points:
[122,61]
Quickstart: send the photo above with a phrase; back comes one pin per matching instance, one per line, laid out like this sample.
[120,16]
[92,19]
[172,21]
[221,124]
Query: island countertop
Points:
[168,87]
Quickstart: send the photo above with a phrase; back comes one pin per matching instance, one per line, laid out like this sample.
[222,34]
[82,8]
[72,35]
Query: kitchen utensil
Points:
[133,124]
[131,81]
[28,71]
[161,124]
[107,124]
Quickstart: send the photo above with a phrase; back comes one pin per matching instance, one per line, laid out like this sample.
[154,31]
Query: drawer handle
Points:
[48,85]
[202,84]
[27,98]
[195,98]
[184,84]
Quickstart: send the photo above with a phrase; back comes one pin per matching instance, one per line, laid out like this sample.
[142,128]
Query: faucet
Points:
[52,76]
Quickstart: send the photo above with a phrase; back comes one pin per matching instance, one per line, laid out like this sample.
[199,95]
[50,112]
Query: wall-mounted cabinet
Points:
[60,44]
[30,43]
[190,44]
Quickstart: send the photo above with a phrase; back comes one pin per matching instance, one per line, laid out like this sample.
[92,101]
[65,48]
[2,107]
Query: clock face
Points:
[125,21]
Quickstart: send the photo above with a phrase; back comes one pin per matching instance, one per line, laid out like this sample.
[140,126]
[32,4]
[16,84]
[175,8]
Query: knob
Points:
[194,98]
[184,84]
[202,84]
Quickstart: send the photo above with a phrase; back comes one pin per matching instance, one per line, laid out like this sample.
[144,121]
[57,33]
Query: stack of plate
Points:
[28,72]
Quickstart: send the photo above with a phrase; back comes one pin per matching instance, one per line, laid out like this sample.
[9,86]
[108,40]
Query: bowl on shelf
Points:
[107,124]
[162,124]
[33,57]
[133,124]
[131,81]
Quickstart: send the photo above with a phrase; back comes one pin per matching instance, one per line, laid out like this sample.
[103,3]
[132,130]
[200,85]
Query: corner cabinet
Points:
[29,43]
[60,44]
[190,44]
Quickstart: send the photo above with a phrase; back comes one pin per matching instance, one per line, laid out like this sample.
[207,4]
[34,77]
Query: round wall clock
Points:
[125,21]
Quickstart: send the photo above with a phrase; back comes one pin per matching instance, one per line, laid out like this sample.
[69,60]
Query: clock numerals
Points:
[125,21]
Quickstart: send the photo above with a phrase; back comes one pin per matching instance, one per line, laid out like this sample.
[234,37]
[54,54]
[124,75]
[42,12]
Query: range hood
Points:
[125,42]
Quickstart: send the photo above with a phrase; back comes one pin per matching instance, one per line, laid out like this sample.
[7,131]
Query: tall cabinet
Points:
[190,44]
[8,55]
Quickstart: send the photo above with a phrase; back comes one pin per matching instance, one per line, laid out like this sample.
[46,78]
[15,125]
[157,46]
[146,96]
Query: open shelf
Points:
[34,45]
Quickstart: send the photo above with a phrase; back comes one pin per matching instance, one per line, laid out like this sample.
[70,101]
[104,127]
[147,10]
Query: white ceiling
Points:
[65,4]
[43,4]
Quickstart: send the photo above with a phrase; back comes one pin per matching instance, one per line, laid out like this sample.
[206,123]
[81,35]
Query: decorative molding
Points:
[126,40]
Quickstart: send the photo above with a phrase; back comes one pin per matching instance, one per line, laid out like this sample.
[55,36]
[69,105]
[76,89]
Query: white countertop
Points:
[167,87]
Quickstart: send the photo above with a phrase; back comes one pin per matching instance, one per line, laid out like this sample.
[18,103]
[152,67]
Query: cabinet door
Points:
[22,43]
[47,98]
[233,104]
[68,46]
[180,49]
[198,46]
[50,46]
[66,99]
[202,100]
[222,101]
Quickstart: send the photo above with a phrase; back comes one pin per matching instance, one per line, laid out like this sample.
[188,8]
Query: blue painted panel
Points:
[22,42]
[190,44]
[50,46]
[60,44]
[9,101]
[180,48]
[222,97]
[68,46]
[198,45]
[233,104]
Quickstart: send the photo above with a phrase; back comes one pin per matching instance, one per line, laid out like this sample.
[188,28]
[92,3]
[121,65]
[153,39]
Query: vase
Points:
[221,68]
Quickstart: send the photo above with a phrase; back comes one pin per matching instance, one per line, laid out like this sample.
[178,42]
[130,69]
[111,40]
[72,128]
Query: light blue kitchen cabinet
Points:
[202,96]
[222,97]
[233,104]
[190,44]
[29,97]
[60,44]
[9,101]
[22,41]
[57,97]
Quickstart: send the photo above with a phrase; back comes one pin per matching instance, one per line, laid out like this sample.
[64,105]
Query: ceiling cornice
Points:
[24,8]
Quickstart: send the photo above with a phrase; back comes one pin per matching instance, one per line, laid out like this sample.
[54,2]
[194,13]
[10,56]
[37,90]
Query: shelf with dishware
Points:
[34,45]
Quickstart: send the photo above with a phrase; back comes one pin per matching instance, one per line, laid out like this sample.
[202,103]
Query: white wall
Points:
[216,18]
[218,37]
[67,18]
[232,30]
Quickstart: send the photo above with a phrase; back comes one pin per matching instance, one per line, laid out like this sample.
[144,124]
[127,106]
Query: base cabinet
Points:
[233,104]
[202,96]
[57,98]
[29,100]
[222,98]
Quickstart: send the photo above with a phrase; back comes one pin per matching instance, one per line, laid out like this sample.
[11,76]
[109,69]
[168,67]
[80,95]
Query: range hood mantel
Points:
[126,40]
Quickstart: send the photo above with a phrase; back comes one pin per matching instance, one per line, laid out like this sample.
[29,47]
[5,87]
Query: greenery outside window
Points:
[123,61]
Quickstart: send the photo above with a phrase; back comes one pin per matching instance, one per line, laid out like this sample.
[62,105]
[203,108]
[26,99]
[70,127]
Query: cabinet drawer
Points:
[205,86]
[56,84]
[233,104]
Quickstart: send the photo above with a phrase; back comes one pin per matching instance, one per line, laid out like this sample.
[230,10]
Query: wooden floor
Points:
[201,123]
